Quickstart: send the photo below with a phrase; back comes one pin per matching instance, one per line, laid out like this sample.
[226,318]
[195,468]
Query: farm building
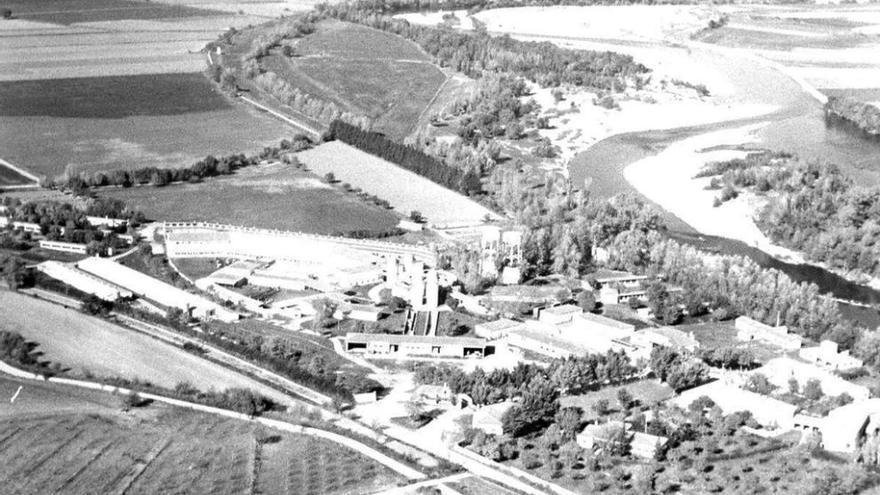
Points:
[107,222]
[33,228]
[393,345]
[82,281]
[782,369]
[649,338]
[496,329]
[827,356]
[848,427]
[489,419]
[143,285]
[557,315]
[748,329]
[625,279]
[600,435]
[65,247]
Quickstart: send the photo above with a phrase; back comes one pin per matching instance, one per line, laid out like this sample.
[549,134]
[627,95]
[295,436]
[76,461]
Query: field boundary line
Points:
[24,173]
[433,99]
[139,468]
[281,116]
[394,465]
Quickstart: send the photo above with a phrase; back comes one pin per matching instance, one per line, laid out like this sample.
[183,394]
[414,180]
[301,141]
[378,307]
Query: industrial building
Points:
[395,345]
[65,247]
[82,281]
[142,285]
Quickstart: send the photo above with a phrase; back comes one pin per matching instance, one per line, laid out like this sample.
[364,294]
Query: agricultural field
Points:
[57,440]
[90,346]
[268,196]
[106,123]
[363,71]
[405,190]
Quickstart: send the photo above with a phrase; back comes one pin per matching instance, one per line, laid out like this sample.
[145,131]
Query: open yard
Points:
[644,392]
[48,447]
[272,196]
[365,71]
[85,344]
[125,122]
[405,190]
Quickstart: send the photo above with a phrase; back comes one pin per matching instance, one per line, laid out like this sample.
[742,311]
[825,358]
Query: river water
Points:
[799,126]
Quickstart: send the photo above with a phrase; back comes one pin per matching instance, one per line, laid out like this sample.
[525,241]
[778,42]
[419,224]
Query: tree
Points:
[793,386]
[586,300]
[570,421]
[813,389]
[624,399]
[7,14]
[329,178]
[600,407]
[867,347]
[759,384]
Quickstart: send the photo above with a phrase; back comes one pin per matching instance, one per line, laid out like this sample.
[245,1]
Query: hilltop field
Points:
[360,70]
[64,440]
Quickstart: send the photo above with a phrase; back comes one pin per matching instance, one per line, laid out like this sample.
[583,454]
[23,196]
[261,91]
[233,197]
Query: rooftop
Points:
[605,276]
[565,309]
[501,324]
[414,339]
[604,320]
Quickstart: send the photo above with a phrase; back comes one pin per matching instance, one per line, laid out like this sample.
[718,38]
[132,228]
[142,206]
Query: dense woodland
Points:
[813,208]
[865,116]
[407,157]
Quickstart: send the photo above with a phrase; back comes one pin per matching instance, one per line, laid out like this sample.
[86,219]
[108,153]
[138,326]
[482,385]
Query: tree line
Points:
[407,157]
[864,116]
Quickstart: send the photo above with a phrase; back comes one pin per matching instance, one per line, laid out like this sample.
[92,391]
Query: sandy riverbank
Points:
[668,179]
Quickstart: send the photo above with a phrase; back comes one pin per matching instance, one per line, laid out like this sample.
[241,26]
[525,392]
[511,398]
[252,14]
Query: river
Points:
[799,126]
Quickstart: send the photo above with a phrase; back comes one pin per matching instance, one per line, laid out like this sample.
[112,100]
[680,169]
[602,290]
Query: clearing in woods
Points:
[63,440]
[276,196]
[362,70]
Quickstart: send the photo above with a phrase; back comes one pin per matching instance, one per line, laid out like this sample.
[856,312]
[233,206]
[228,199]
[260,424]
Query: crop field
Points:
[405,190]
[78,11]
[107,123]
[363,70]
[160,449]
[273,196]
[87,345]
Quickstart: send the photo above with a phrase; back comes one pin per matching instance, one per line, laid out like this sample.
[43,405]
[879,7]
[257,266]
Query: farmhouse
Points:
[782,369]
[66,247]
[826,355]
[393,345]
[83,281]
[489,419]
[748,329]
[148,287]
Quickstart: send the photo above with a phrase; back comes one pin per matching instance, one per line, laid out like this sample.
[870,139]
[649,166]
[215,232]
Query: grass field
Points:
[274,196]
[405,190]
[68,441]
[125,122]
[365,71]
[85,344]
[646,392]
